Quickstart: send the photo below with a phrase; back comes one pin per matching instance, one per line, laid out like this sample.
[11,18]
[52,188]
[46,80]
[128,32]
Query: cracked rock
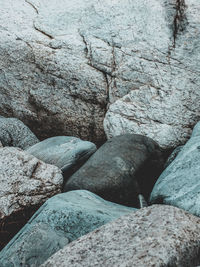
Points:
[159,235]
[60,220]
[14,133]
[25,183]
[64,63]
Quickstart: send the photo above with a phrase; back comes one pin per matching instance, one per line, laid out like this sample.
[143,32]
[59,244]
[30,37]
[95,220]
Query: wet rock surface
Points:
[59,221]
[159,235]
[120,170]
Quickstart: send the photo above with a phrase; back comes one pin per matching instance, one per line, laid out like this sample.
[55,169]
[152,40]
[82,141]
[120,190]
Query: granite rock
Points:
[64,64]
[13,132]
[66,152]
[120,170]
[62,219]
[179,184]
[159,235]
[25,184]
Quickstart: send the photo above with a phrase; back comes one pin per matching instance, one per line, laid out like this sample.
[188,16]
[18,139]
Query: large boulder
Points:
[59,221]
[179,184]
[25,184]
[66,152]
[62,63]
[120,170]
[155,236]
[13,132]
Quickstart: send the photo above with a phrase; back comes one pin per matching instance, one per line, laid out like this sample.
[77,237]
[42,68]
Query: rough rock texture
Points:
[66,152]
[14,133]
[179,184]
[120,170]
[25,183]
[59,221]
[63,62]
[155,236]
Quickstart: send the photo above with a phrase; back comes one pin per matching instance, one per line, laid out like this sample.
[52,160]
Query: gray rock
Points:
[179,184]
[14,133]
[25,184]
[155,236]
[64,62]
[120,170]
[66,152]
[59,221]
[173,156]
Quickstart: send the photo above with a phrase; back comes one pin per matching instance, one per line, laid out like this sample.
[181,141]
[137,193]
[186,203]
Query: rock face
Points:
[63,63]
[120,170]
[145,238]
[179,184]
[25,183]
[60,220]
[66,152]
[14,133]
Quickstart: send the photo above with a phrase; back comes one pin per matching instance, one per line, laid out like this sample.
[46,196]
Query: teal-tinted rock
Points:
[60,220]
[179,184]
[66,152]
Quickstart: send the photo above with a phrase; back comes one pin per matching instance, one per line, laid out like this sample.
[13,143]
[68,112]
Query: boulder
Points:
[13,132]
[155,236]
[64,63]
[120,170]
[179,184]
[25,184]
[66,152]
[173,156]
[62,219]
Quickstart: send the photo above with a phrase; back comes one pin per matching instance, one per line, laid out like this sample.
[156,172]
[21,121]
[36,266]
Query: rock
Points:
[60,220]
[173,156]
[179,184]
[25,184]
[63,64]
[155,236]
[120,170]
[14,133]
[1,146]
[66,152]
[158,68]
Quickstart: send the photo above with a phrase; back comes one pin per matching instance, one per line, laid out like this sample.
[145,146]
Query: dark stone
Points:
[124,167]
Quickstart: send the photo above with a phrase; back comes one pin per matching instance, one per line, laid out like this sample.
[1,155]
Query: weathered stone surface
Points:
[120,170]
[66,152]
[25,183]
[60,220]
[160,68]
[179,184]
[14,133]
[155,236]
[63,62]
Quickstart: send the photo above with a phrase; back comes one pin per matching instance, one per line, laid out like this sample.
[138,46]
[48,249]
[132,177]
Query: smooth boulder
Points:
[13,132]
[66,152]
[179,184]
[62,219]
[120,170]
[25,184]
[159,235]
